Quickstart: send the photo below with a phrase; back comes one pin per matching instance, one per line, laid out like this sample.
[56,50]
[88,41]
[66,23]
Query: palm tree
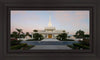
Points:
[22,35]
[14,34]
[19,31]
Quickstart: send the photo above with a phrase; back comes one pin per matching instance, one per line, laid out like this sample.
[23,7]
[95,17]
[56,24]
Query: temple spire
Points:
[49,24]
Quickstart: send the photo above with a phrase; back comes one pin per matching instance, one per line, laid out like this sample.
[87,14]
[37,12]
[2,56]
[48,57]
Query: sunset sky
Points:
[69,20]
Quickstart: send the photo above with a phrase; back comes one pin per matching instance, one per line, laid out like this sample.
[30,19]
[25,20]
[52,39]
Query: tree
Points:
[62,36]
[27,33]
[81,45]
[35,30]
[86,36]
[37,36]
[79,34]
[64,31]
[14,34]
[22,35]
[19,31]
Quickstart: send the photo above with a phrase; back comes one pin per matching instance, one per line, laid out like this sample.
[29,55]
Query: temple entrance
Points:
[49,35]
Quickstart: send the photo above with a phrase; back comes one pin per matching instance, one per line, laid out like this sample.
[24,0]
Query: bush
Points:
[15,42]
[16,47]
[22,46]
[38,36]
[62,37]
[80,45]
[77,45]
[85,42]
[27,47]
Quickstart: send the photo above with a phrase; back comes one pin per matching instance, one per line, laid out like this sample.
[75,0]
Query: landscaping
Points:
[62,37]
[81,45]
[37,37]
[16,45]
[84,44]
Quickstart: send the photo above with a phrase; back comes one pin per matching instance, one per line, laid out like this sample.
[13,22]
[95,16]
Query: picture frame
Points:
[6,54]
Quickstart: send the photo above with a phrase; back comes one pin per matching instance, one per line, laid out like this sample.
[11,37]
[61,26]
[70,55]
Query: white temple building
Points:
[50,31]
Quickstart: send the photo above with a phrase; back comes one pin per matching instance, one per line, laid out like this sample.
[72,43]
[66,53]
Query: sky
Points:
[68,20]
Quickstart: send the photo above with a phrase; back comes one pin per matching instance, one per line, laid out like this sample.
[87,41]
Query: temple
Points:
[49,31]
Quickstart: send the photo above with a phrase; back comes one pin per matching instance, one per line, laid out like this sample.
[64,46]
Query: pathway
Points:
[51,47]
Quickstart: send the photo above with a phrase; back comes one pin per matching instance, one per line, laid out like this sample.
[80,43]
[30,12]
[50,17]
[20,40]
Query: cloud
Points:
[74,20]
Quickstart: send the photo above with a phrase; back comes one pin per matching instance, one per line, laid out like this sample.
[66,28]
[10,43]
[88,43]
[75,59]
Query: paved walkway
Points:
[50,40]
[51,47]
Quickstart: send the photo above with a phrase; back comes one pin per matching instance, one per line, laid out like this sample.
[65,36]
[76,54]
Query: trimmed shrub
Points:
[15,42]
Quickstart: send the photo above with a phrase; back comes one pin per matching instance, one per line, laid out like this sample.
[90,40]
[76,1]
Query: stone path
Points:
[51,47]
[50,40]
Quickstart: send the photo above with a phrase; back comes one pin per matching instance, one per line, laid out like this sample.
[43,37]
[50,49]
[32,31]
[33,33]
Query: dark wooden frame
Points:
[6,54]
[90,9]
